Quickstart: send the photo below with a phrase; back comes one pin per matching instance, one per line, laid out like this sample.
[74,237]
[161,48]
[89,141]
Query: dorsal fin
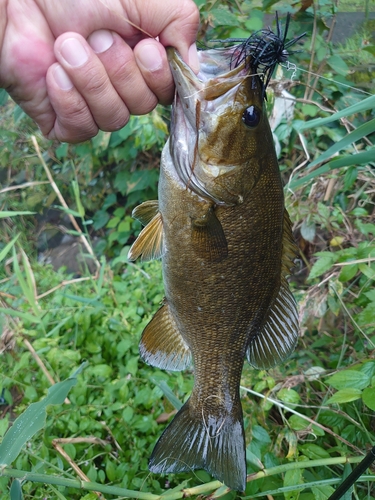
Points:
[161,343]
[149,244]
[278,336]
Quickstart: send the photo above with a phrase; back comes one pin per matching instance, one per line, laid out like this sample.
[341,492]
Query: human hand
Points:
[79,66]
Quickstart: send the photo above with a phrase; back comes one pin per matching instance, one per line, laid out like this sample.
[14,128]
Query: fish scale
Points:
[224,236]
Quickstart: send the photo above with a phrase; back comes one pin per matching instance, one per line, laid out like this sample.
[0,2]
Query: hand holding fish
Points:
[76,67]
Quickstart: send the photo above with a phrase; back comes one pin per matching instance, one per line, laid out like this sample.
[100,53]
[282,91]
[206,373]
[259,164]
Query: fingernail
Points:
[74,52]
[149,57]
[61,78]
[100,40]
[193,58]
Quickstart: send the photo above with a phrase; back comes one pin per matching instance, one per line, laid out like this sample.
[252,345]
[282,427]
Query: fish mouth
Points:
[212,82]
[200,102]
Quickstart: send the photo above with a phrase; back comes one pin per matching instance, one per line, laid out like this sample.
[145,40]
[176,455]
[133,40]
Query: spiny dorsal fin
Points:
[162,345]
[149,244]
[146,211]
[208,237]
[278,337]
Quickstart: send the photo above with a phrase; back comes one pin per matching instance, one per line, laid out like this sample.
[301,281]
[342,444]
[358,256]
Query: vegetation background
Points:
[72,307]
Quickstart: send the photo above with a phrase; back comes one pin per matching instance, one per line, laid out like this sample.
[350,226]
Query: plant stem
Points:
[173,495]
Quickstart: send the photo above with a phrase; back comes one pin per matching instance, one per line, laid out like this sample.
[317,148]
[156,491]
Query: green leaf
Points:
[348,272]
[349,379]
[16,490]
[370,48]
[289,396]
[338,64]
[367,104]
[323,264]
[345,396]
[308,230]
[367,316]
[31,421]
[368,397]
[3,97]
[322,492]
[292,478]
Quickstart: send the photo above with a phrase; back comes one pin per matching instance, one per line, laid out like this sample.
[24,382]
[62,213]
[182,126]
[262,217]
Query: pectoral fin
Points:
[149,244]
[279,334]
[208,237]
[146,211]
[161,343]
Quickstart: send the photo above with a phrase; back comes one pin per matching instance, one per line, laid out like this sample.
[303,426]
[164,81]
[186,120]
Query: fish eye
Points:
[251,116]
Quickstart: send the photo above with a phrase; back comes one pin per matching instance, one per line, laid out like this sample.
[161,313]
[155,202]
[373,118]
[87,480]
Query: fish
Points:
[224,236]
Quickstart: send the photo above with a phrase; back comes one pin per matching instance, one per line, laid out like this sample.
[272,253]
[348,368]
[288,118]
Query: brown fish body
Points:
[226,249]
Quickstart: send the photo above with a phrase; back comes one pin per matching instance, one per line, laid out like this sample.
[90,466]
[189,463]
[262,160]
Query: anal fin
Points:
[279,334]
[278,337]
[208,237]
[161,343]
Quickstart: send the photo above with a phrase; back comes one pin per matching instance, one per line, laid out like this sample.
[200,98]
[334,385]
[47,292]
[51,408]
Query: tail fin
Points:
[214,444]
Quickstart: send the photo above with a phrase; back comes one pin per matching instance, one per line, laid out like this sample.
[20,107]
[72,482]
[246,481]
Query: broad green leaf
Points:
[289,396]
[8,247]
[292,478]
[365,105]
[313,451]
[338,64]
[367,316]
[31,421]
[308,230]
[323,264]
[357,134]
[345,396]
[322,492]
[348,272]
[368,397]
[349,379]
[367,270]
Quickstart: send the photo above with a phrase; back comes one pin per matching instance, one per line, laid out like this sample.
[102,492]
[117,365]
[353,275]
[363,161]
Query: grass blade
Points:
[365,105]
[356,135]
[168,393]
[31,421]
[7,247]
[16,490]
[8,213]
[344,161]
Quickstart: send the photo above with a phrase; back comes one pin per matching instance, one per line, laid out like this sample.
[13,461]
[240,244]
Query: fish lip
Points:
[190,86]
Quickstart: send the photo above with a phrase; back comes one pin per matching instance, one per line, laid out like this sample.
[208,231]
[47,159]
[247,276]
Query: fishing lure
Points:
[266,48]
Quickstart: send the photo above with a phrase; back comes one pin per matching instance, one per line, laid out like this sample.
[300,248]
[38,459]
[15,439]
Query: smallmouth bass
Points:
[224,236]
